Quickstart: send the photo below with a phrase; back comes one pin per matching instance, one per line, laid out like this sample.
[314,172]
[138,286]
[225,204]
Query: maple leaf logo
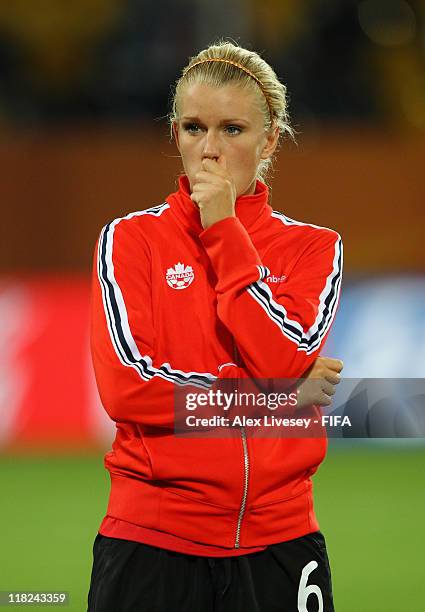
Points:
[180,277]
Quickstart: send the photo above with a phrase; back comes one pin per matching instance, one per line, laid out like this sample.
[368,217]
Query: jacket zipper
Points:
[246,468]
[245,487]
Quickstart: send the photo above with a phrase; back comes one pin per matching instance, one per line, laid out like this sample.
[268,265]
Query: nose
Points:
[211,146]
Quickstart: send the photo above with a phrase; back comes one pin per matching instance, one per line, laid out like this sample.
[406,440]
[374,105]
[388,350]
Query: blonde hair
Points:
[224,62]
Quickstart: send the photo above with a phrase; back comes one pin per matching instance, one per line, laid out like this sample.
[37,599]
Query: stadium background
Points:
[83,97]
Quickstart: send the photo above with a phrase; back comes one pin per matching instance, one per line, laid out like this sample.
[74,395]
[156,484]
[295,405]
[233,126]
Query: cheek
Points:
[248,156]
[244,167]
[190,148]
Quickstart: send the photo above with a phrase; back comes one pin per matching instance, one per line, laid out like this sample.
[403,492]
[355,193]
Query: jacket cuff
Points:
[234,258]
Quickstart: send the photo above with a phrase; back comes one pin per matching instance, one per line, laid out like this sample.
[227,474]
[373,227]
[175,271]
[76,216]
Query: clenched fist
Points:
[214,192]
[317,385]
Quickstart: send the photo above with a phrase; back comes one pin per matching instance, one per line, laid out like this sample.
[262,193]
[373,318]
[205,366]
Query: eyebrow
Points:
[222,122]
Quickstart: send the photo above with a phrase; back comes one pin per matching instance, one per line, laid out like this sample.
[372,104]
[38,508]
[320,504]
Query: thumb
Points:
[221,160]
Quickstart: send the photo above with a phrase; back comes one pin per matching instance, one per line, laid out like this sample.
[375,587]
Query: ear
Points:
[272,138]
[175,128]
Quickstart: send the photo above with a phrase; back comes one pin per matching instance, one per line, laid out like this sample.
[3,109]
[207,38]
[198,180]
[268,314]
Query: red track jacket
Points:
[169,302]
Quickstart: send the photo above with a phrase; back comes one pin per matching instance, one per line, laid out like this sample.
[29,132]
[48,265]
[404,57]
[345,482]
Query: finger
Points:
[338,365]
[211,165]
[206,177]
[199,191]
[333,364]
[333,377]
[205,188]
[198,196]
[324,400]
[328,388]
[222,161]
[201,194]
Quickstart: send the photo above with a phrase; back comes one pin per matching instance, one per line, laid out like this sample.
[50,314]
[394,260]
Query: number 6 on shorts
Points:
[305,591]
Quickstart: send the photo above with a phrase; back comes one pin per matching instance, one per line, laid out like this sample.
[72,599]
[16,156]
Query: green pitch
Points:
[370,503]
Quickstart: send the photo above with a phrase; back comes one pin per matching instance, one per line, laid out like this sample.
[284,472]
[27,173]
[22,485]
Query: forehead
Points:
[211,102]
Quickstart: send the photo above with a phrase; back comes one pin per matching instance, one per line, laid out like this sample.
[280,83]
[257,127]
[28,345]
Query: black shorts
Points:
[291,576]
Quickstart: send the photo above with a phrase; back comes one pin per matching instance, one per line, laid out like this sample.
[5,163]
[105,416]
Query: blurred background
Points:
[84,93]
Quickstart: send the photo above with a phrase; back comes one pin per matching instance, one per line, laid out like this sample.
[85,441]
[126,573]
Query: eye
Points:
[192,128]
[233,130]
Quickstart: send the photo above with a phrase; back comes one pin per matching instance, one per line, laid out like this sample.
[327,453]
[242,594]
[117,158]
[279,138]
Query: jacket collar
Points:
[252,210]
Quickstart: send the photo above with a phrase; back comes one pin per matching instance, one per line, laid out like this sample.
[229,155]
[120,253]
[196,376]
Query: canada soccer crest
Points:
[180,276]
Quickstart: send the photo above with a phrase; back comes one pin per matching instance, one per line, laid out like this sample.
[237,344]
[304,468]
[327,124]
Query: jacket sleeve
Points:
[133,385]
[277,336]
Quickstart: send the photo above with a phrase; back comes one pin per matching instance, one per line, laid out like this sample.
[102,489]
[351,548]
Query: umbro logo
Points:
[275,279]
[179,277]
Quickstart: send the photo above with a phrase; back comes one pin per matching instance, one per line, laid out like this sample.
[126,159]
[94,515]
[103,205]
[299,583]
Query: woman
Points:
[211,285]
